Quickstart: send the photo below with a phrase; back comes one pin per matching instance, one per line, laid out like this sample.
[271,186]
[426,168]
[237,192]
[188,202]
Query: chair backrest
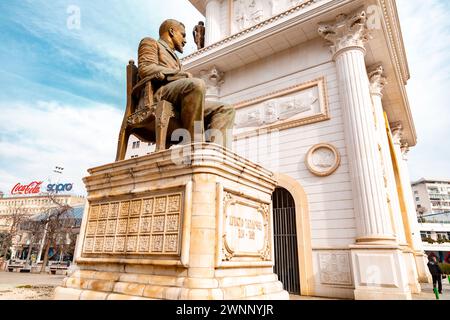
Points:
[132,78]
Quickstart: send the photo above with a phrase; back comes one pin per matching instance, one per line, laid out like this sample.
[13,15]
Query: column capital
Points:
[347,31]
[405,150]
[397,133]
[213,78]
[377,80]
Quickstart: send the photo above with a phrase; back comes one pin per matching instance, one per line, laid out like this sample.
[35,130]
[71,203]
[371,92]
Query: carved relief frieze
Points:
[294,106]
[146,226]
[248,13]
[335,268]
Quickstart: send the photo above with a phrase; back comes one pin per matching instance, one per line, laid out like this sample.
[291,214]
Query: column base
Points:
[366,294]
[422,267]
[411,270]
[380,273]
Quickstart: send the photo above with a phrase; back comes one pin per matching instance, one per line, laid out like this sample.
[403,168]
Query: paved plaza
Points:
[26,286]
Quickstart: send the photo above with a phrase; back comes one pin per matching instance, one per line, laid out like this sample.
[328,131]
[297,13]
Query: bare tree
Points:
[14,220]
[58,222]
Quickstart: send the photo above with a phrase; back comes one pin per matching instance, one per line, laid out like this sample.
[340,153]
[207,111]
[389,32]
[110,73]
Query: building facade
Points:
[16,210]
[431,196]
[319,91]
[31,205]
[435,232]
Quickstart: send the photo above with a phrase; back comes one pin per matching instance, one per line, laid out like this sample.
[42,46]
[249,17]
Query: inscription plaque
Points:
[246,229]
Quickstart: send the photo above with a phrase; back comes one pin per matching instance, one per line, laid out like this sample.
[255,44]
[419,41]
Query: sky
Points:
[62,81]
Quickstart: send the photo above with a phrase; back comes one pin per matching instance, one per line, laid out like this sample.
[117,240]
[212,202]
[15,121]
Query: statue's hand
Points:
[184,74]
[160,76]
[180,75]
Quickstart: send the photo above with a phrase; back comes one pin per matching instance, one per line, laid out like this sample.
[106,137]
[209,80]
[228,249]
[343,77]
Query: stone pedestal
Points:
[194,222]
[379,273]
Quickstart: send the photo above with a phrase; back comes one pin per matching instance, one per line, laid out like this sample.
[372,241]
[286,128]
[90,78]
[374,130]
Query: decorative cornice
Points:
[250,29]
[396,41]
[377,80]
[346,32]
[398,57]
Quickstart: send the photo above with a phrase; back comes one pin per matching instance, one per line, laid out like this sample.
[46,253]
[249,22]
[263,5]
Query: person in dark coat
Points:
[436,273]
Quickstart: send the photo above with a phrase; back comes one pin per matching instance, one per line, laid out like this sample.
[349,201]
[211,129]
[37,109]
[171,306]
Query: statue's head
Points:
[174,34]
[201,23]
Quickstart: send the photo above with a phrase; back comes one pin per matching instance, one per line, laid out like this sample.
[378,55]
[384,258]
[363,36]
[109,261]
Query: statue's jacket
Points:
[156,61]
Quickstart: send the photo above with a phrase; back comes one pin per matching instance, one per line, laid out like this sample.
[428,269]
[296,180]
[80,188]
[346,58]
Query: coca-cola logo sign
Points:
[35,187]
[32,188]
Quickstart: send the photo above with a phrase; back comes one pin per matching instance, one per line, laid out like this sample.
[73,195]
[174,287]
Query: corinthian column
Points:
[378,263]
[347,37]
[213,33]
[415,241]
[377,83]
[399,218]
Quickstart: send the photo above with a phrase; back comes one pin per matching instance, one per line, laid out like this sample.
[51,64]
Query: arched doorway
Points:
[285,240]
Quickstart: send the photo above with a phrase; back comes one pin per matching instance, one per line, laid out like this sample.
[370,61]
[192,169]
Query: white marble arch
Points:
[303,232]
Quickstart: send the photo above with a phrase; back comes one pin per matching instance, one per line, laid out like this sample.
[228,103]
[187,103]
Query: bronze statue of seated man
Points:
[159,64]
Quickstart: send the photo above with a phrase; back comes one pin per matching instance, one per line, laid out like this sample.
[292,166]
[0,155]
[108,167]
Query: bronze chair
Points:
[153,124]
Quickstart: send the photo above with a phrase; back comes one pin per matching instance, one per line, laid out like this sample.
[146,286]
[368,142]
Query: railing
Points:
[433,221]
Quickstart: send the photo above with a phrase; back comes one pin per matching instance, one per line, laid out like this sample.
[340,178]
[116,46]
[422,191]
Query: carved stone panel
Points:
[294,106]
[322,159]
[335,268]
[248,13]
[150,225]
[246,229]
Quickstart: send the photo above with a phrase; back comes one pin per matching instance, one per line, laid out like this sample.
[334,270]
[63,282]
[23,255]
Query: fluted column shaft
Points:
[348,36]
[213,33]
[407,190]
[377,83]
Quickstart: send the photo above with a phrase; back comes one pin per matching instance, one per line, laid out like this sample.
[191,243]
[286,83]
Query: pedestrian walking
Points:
[436,273]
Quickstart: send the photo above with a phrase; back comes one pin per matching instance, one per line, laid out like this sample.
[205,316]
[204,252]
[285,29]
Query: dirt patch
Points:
[28,292]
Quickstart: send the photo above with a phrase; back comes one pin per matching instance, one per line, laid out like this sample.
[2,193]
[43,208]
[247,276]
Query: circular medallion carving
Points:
[323,159]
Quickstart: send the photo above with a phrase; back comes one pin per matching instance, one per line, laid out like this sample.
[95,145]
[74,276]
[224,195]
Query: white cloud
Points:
[67,128]
[426,31]
[49,134]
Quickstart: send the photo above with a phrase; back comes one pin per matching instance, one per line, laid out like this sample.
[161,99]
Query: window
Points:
[135,156]
[417,199]
[416,192]
[136,144]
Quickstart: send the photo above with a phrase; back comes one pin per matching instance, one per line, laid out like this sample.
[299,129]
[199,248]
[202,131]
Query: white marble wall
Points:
[330,198]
